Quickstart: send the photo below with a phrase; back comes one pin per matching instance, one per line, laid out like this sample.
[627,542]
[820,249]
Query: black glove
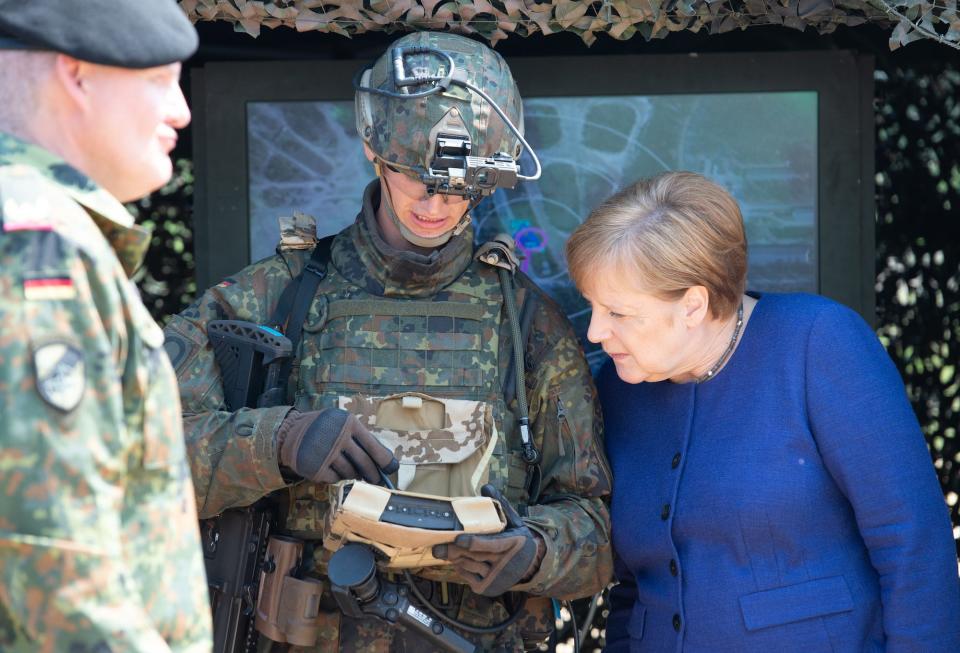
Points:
[492,564]
[331,445]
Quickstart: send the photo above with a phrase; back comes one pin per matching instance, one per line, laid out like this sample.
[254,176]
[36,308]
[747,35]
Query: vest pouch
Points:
[443,445]
[404,526]
[300,610]
[287,607]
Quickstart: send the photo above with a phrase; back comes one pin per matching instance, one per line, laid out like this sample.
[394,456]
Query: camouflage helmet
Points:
[404,132]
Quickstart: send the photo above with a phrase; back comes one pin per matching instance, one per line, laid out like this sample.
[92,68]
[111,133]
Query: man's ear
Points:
[372,158]
[696,306]
[71,76]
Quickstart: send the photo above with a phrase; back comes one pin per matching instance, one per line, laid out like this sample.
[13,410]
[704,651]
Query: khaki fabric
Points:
[357,518]
[443,445]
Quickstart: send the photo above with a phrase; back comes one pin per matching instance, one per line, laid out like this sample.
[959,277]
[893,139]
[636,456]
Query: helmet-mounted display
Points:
[425,116]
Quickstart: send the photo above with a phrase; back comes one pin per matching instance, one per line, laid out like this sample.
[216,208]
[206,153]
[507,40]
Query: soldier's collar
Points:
[403,273]
[129,240]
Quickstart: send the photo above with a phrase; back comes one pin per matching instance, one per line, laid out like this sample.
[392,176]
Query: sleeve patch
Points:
[61,381]
[47,272]
[26,216]
[49,288]
[179,349]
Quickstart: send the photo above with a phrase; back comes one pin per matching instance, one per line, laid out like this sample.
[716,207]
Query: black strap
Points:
[295,302]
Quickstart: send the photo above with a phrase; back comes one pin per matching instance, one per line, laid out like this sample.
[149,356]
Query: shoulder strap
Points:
[527,309]
[294,304]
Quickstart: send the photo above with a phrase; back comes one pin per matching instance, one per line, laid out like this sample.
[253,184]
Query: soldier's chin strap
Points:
[420,241]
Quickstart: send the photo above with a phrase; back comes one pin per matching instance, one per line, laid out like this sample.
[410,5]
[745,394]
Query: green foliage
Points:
[918,250]
[166,280]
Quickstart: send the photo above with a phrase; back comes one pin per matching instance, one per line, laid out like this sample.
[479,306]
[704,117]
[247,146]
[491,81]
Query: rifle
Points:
[250,357]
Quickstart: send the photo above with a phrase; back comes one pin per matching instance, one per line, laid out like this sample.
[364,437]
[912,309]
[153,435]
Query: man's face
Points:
[130,125]
[425,215]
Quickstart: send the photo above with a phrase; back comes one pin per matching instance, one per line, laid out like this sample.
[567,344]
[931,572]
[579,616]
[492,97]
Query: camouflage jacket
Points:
[234,456]
[99,547]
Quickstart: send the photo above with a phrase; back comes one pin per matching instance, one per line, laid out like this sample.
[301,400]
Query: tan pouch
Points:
[443,445]
[300,610]
[287,607]
[358,517]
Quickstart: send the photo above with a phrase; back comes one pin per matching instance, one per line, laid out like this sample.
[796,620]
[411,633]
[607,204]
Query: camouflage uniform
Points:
[99,547]
[345,351]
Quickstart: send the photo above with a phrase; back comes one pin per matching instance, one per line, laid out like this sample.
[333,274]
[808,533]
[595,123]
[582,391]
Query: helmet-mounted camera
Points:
[453,171]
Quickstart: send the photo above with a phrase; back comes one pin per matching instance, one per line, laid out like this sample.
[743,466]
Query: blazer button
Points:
[676,622]
[673,567]
[665,512]
[676,461]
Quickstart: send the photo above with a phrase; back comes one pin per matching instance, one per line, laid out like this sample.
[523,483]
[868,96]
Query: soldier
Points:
[407,311]
[99,548]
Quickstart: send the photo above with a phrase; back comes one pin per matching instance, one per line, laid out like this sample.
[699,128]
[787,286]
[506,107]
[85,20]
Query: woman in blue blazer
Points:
[772,488]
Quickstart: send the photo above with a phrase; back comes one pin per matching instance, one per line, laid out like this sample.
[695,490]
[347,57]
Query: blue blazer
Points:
[789,504]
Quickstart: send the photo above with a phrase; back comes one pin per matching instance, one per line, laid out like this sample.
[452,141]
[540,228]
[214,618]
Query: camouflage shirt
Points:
[234,457]
[99,547]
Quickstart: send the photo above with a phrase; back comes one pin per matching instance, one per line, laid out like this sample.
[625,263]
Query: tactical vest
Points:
[423,375]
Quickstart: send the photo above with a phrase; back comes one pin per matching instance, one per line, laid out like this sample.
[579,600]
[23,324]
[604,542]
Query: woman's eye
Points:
[614,315]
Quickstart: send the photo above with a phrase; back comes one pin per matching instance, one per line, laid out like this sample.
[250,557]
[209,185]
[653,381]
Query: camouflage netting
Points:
[621,19]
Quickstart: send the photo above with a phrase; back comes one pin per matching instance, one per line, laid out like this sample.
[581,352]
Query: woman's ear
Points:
[696,306]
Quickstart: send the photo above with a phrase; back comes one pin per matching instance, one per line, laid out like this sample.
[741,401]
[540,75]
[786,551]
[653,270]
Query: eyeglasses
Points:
[408,183]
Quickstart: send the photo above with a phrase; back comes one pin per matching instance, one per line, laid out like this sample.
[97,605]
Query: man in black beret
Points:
[99,546]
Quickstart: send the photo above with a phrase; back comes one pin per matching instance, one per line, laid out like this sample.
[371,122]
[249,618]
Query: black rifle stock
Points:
[250,357]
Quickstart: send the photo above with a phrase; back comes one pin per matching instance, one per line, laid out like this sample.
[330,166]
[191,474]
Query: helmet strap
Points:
[412,238]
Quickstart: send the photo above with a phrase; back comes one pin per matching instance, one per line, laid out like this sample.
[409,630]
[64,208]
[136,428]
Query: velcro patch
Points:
[61,380]
[26,216]
[49,288]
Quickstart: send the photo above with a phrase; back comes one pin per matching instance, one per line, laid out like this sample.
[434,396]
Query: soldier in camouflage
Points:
[99,547]
[407,312]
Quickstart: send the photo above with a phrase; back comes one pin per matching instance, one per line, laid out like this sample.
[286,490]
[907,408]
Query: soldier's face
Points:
[425,215]
[130,123]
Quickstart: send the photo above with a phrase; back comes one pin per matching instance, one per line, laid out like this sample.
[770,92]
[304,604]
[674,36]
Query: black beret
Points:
[125,33]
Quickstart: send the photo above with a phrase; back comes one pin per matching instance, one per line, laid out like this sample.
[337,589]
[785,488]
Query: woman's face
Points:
[647,337]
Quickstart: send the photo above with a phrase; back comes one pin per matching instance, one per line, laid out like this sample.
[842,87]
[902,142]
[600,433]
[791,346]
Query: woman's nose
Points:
[597,332]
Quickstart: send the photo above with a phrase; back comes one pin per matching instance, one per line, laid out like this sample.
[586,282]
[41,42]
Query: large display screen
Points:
[761,146]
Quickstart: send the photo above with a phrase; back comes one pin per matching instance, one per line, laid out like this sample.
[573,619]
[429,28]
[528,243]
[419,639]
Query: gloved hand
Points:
[492,564]
[331,445]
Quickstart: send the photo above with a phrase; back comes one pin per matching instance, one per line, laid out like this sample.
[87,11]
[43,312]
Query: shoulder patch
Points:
[26,215]
[46,274]
[58,287]
[298,232]
[60,370]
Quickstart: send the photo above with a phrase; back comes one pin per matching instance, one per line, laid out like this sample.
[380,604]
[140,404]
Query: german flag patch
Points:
[55,287]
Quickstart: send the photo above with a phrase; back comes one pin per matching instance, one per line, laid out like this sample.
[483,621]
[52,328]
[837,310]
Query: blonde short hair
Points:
[669,233]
